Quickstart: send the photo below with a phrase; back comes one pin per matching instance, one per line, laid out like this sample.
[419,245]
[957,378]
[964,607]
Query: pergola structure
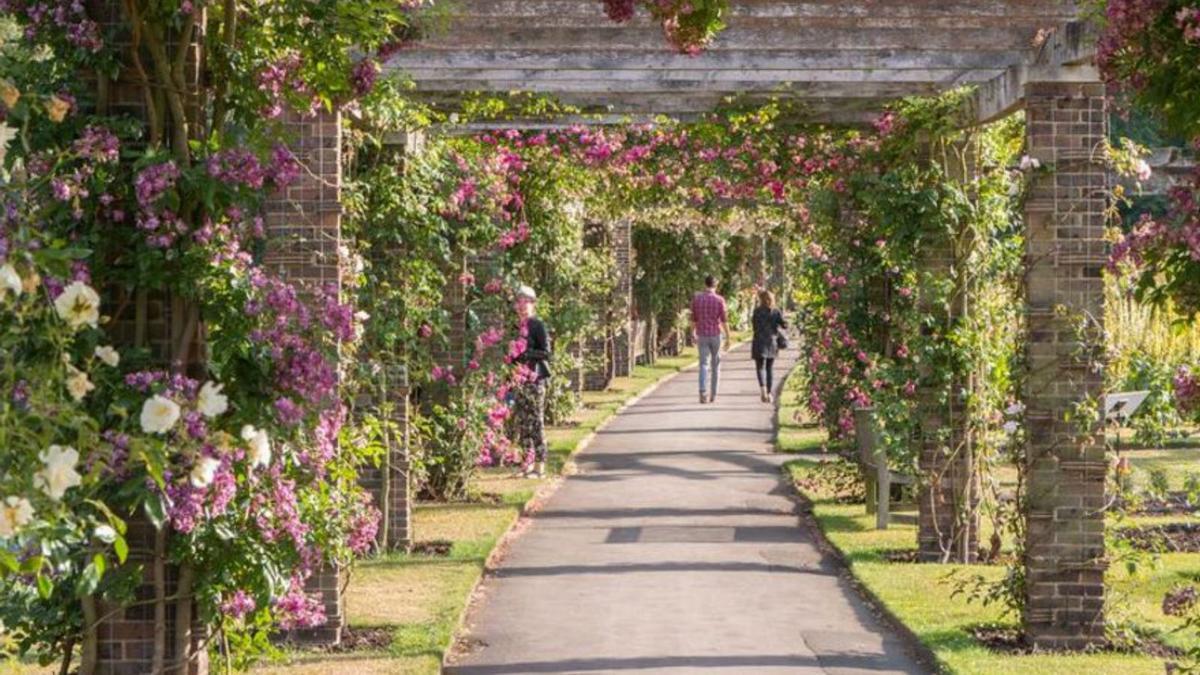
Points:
[846,59]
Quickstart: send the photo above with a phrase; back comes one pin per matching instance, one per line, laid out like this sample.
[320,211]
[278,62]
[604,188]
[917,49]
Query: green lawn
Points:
[421,598]
[942,622]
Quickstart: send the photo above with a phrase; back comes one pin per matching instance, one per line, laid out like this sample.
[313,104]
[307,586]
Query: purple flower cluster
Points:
[98,144]
[238,605]
[277,80]
[364,527]
[66,17]
[362,76]
[297,609]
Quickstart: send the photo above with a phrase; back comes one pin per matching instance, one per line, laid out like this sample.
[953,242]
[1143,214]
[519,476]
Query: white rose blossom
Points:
[159,414]
[10,281]
[1029,163]
[204,471]
[15,513]
[59,474]
[1015,409]
[211,402]
[259,444]
[78,305]
[78,383]
[108,355]
[105,533]
[1010,427]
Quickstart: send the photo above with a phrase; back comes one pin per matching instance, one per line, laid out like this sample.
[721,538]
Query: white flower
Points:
[1142,170]
[108,355]
[78,305]
[1028,163]
[105,533]
[204,472]
[159,414]
[362,316]
[15,513]
[211,402]
[1015,409]
[10,281]
[259,444]
[78,383]
[1010,427]
[59,474]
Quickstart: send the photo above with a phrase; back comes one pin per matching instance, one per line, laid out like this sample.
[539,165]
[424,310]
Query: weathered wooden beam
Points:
[782,9]
[1067,55]
[449,58]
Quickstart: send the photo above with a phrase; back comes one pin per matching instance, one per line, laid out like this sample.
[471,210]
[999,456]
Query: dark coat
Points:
[537,349]
[767,323]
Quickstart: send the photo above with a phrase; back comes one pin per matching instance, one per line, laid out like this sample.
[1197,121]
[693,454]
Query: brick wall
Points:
[1065,249]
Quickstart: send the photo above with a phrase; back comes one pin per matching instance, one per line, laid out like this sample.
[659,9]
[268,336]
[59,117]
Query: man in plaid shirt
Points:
[708,323]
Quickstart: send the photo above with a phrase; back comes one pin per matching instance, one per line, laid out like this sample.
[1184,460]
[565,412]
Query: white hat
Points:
[524,291]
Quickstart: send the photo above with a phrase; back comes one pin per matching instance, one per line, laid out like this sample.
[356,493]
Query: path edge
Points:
[916,648]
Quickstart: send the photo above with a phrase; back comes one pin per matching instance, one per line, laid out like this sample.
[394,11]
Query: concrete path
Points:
[676,549]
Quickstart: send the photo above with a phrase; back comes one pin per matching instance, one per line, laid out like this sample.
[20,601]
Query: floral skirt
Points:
[530,419]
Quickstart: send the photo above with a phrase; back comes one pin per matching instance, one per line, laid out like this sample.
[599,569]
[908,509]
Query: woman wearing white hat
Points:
[530,395]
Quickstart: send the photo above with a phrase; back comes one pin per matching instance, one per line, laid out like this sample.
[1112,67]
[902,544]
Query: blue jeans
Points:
[710,351]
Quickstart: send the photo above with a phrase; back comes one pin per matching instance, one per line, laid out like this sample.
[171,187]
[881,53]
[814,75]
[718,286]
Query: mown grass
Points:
[420,598]
[923,598]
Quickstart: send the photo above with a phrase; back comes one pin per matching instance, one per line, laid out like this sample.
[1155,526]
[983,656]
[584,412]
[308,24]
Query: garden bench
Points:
[879,475]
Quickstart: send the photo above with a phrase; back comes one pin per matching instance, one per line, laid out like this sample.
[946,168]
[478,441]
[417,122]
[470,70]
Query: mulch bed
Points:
[1174,504]
[365,639]
[1011,641]
[436,548]
[1172,537]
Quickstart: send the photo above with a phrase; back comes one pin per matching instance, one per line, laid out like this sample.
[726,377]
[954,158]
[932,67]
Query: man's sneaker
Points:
[703,397]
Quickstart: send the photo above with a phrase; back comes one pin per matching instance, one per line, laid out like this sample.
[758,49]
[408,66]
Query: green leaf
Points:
[9,562]
[155,511]
[45,586]
[121,548]
[90,579]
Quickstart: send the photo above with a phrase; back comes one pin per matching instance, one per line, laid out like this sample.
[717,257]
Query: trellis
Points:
[845,61]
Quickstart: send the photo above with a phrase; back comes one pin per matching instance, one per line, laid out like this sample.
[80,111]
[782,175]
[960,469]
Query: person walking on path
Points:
[767,322]
[708,324]
[530,395]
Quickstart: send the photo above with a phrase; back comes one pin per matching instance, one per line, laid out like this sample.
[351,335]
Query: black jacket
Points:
[537,348]
[767,323]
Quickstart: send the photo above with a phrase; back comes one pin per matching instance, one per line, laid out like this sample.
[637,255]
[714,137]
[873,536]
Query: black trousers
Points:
[764,368]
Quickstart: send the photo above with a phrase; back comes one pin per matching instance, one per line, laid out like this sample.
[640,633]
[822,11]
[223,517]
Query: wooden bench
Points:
[880,477]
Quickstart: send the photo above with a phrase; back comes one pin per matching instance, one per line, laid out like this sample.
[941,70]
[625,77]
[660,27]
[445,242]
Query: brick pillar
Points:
[622,306]
[398,498]
[1065,253]
[303,240]
[948,496]
[125,636]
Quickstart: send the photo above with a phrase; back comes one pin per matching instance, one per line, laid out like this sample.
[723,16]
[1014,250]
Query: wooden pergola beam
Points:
[1068,56]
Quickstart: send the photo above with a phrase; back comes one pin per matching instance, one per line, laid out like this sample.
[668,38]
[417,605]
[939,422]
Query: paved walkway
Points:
[676,549]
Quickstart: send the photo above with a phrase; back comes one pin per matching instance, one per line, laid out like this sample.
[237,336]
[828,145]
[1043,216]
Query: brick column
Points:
[125,636]
[948,496]
[397,501]
[303,241]
[622,306]
[1065,253]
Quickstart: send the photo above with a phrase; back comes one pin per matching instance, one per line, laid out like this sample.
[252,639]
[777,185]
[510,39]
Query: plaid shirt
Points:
[708,313]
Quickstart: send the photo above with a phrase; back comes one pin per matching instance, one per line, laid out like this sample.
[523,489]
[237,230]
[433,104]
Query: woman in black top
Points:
[767,322]
[530,395]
